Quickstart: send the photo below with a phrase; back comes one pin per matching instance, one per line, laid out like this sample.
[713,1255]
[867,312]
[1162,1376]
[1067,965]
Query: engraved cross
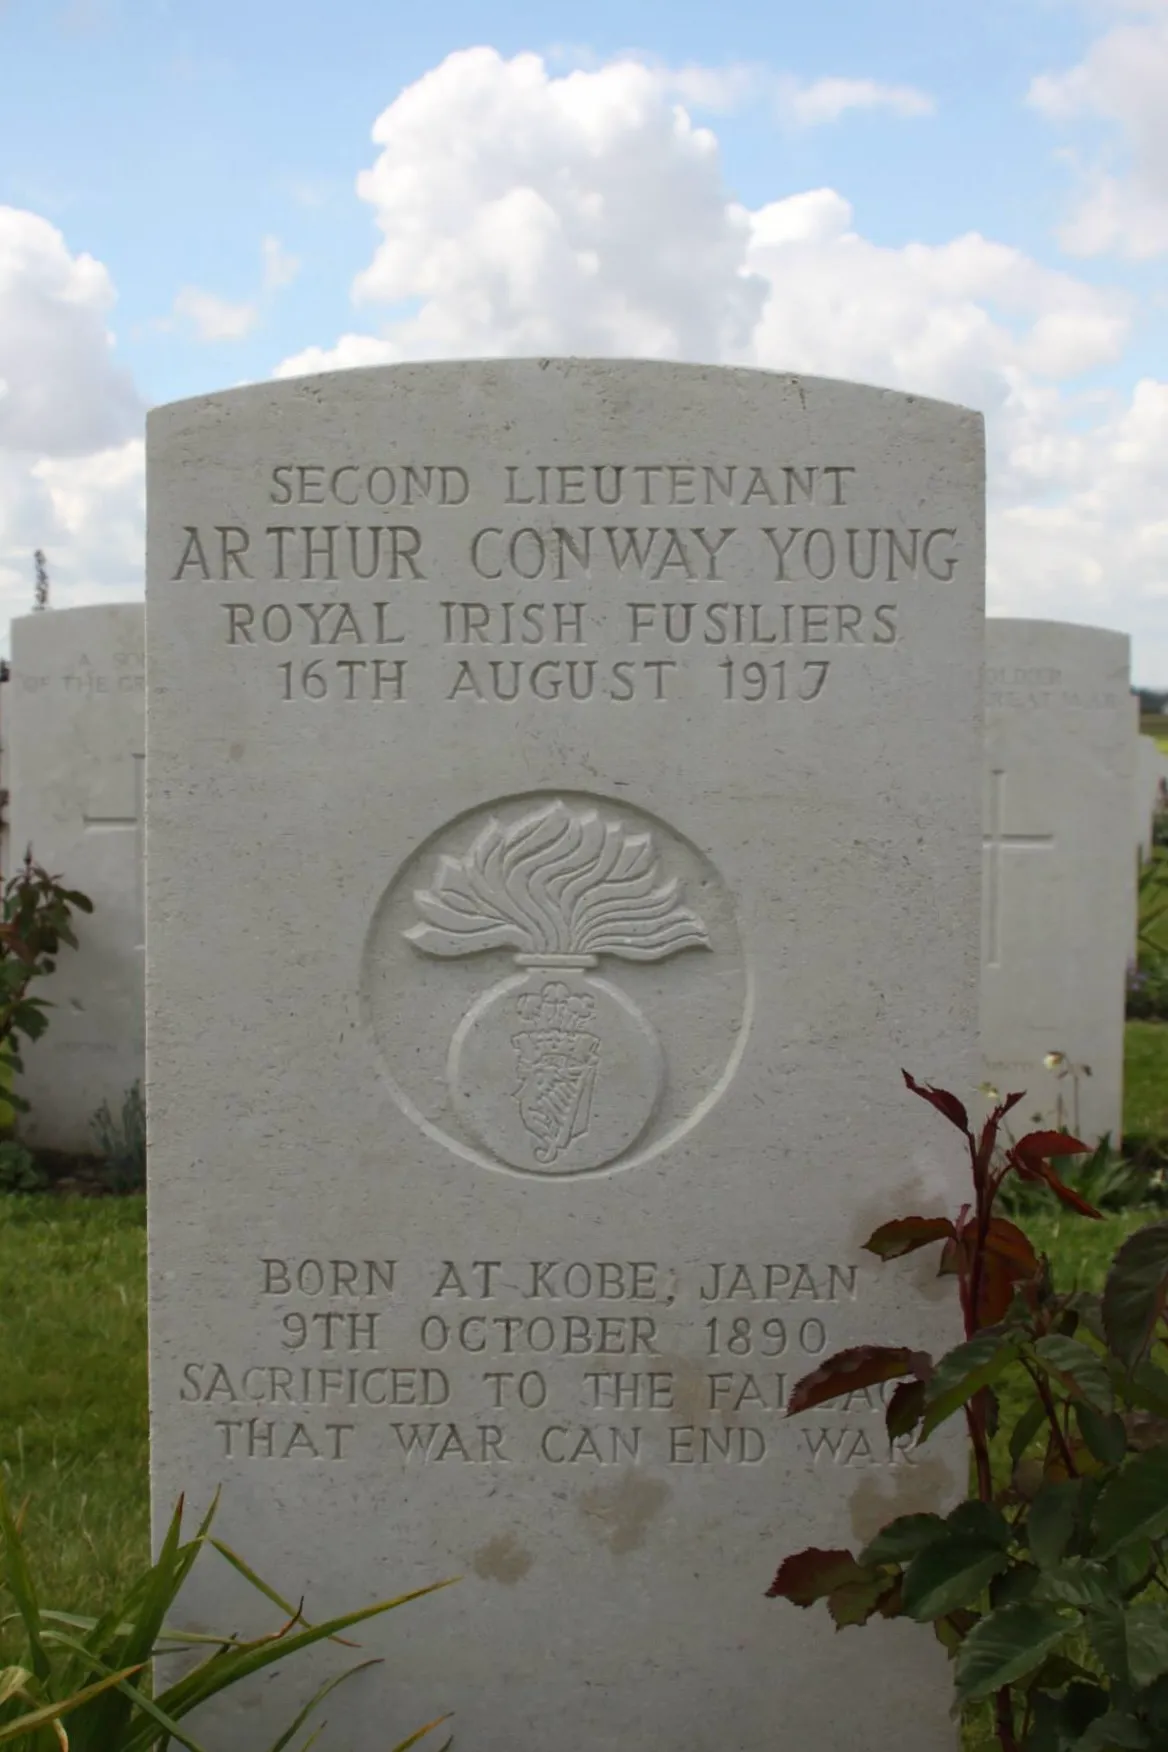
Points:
[122,824]
[996,843]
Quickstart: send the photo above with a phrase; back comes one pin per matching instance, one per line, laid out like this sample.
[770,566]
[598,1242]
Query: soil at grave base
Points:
[72,1175]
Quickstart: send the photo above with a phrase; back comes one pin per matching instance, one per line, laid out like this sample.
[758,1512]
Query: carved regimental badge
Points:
[554,1069]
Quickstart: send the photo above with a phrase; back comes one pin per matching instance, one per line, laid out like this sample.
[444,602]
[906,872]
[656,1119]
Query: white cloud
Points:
[349,351]
[63,390]
[525,212]
[521,212]
[70,424]
[224,319]
[1122,196]
[214,318]
[826,100]
[280,267]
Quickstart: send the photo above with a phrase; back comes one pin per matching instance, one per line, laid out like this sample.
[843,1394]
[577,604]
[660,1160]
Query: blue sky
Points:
[967,200]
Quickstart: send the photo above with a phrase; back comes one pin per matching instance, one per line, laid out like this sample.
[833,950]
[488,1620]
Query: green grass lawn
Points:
[1145,1095]
[73,1389]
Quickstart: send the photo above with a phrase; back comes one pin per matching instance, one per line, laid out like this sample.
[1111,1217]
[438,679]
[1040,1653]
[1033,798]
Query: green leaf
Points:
[905,1408]
[857,1600]
[964,1372]
[1133,1504]
[1108,1635]
[1051,1522]
[1006,1645]
[420,1734]
[317,1698]
[951,1573]
[1135,1293]
[1115,1730]
[982,1521]
[904,1235]
[1032,1420]
[51,1712]
[1145,1387]
[111,1715]
[903,1538]
[241,1660]
[1105,1437]
[1080,1370]
[1075,1582]
[1146,1626]
[20,1585]
[1016,1583]
[1131,1567]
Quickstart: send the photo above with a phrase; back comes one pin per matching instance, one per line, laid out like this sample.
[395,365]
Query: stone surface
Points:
[537,930]
[74,735]
[1151,790]
[1058,913]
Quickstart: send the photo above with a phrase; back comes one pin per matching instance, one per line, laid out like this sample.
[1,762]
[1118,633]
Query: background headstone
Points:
[1151,780]
[563,826]
[1059,885]
[74,729]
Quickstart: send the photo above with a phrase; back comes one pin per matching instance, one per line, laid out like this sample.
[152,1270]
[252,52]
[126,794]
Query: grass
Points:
[1145,1094]
[73,1427]
[1155,724]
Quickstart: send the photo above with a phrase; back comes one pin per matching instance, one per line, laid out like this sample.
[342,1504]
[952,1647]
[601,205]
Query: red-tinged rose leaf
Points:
[1044,1144]
[1033,1168]
[905,1409]
[811,1575]
[942,1100]
[865,1365]
[904,1235]
[1008,1243]
[988,1137]
[995,1290]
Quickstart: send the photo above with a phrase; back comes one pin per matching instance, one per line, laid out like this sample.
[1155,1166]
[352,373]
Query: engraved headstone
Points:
[563,826]
[74,728]
[1059,884]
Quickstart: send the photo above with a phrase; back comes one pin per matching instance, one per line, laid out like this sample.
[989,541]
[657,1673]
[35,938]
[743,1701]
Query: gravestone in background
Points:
[1059,884]
[563,827]
[74,746]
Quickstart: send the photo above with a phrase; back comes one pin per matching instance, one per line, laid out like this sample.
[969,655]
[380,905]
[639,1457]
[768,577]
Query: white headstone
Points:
[562,828]
[74,734]
[1059,885]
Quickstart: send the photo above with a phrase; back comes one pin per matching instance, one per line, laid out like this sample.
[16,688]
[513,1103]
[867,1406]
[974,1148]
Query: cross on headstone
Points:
[996,843]
[120,824]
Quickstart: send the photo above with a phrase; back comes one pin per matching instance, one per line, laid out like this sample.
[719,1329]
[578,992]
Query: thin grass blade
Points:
[317,1698]
[220,1671]
[112,1713]
[265,1588]
[21,1587]
[12,1682]
[421,1733]
[50,1712]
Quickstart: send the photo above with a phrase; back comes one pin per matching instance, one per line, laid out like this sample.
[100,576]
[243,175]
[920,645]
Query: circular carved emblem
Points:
[556,985]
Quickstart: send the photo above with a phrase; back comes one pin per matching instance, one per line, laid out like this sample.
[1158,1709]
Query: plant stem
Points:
[975,1421]
[1004,1720]
[1051,1410]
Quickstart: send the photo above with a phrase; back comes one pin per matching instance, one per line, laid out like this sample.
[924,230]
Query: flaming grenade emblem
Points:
[555,1070]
